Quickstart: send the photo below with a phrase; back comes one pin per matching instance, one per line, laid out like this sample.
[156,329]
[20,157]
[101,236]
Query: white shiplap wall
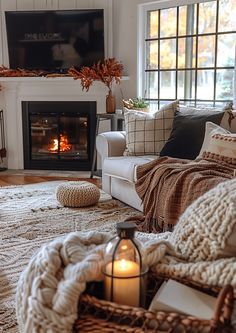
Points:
[7,5]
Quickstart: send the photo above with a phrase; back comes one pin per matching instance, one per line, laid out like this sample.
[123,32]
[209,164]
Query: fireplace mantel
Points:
[14,90]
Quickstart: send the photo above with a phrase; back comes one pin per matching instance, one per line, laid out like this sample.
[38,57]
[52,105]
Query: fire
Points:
[64,144]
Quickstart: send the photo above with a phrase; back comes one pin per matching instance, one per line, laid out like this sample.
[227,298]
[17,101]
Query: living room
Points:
[169,174]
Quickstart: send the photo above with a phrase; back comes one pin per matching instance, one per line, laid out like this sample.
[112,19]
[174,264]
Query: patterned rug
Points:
[30,216]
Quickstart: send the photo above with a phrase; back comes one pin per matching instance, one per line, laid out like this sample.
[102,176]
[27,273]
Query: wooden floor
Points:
[6,180]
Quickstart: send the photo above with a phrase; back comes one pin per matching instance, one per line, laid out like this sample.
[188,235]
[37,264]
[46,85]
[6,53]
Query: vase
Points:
[110,103]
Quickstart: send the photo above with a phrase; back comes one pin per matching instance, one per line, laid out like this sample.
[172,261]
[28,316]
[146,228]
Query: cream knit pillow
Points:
[210,130]
[221,147]
[207,229]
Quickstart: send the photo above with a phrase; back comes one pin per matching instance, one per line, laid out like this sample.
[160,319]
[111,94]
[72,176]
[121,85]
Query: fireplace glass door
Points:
[63,138]
[55,137]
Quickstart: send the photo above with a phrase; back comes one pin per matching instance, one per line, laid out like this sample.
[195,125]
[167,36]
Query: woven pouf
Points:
[77,194]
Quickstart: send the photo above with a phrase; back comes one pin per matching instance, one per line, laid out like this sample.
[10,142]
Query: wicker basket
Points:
[96,315]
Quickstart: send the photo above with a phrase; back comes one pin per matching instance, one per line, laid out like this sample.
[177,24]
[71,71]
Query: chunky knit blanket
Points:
[167,186]
[49,288]
[31,216]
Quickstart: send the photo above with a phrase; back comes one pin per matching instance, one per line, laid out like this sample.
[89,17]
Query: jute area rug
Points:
[30,216]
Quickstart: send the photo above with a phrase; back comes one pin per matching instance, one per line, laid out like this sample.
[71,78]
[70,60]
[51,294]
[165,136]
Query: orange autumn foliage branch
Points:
[86,75]
[107,71]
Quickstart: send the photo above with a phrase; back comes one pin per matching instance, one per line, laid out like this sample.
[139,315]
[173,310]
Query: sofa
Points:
[119,171]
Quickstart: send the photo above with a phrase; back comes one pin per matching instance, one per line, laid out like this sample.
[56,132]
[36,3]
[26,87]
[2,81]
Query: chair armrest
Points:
[110,144]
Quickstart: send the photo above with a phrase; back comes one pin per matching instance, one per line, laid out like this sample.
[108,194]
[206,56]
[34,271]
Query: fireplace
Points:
[58,135]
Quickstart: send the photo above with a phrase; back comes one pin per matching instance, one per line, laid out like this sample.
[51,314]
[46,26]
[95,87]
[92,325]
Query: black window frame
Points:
[194,69]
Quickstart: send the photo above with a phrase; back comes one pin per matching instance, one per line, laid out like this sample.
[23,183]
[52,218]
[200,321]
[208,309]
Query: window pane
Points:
[187,20]
[168,53]
[153,24]
[168,22]
[162,103]
[186,84]
[191,59]
[182,20]
[207,17]
[152,54]
[224,83]
[167,84]
[206,104]
[206,51]
[152,85]
[205,84]
[187,52]
[226,50]
[227,15]
[153,106]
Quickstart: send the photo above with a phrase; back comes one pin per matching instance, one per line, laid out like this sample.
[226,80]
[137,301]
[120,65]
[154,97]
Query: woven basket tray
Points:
[96,315]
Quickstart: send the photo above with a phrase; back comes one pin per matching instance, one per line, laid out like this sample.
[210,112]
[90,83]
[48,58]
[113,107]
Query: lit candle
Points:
[125,291]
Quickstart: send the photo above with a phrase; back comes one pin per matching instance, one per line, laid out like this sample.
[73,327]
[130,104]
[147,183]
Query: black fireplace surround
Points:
[58,135]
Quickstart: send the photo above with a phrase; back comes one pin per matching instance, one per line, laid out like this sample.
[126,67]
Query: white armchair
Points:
[118,171]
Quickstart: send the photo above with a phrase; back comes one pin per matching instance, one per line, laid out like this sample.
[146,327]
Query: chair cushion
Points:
[124,167]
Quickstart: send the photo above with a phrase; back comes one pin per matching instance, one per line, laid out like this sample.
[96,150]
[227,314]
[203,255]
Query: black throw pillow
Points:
[188,132]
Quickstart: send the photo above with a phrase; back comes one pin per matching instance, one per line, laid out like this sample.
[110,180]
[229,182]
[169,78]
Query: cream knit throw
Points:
[207,228]
[49,288]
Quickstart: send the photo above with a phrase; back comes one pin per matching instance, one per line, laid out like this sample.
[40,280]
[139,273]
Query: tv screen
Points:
[55,40]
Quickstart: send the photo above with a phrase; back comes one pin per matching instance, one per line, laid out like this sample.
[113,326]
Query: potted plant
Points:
[107,71]
[138,104]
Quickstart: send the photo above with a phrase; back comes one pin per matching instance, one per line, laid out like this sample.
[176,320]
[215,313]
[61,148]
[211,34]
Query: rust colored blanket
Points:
[167,186]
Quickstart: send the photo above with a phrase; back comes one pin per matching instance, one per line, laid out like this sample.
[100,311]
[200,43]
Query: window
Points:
[187,52]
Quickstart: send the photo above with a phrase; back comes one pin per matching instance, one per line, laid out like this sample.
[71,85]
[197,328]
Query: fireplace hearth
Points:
[58,135]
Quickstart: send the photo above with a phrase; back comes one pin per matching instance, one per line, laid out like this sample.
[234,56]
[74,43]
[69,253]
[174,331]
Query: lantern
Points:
[124,271]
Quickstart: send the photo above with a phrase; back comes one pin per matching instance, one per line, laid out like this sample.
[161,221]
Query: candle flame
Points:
[123,264]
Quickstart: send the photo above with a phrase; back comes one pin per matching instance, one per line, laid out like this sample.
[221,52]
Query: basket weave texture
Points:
[77,194]
[96,315]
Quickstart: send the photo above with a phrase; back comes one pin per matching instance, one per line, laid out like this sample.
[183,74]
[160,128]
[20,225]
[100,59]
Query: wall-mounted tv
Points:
[55,40]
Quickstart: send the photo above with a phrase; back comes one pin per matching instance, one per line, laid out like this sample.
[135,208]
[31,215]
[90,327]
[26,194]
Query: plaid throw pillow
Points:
[146,134]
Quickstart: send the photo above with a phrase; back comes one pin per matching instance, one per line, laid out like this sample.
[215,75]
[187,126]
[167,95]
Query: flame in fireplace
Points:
[64,144]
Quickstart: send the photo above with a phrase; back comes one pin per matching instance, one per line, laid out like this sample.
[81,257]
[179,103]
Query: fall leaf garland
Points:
[19,72]
[106,71]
